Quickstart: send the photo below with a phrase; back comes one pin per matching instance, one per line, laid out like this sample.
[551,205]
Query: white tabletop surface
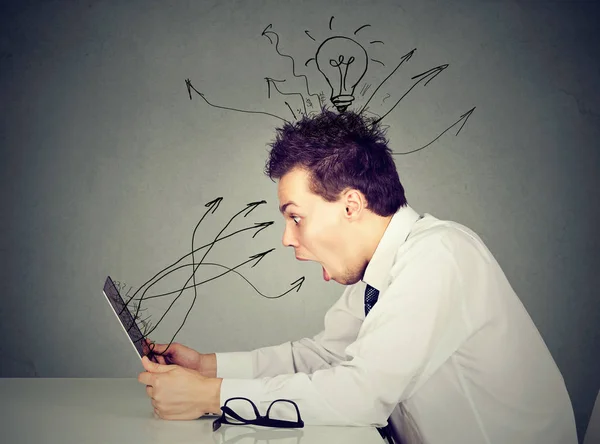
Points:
[117,410]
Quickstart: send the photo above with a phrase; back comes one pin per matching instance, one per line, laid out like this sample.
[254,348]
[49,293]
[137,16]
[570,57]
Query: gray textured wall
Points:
[106,164]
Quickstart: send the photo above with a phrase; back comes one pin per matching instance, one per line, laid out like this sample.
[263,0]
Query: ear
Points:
[354,202]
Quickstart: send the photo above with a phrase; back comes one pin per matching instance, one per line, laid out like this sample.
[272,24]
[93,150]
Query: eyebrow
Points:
[285,205]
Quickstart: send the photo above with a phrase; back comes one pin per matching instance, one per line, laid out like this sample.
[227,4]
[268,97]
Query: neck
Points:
[372,232]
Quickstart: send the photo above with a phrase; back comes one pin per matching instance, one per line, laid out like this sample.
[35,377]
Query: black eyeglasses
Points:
[240,434]
[271,419]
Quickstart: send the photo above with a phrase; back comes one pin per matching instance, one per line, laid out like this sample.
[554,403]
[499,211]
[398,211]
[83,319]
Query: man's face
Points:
[318,230]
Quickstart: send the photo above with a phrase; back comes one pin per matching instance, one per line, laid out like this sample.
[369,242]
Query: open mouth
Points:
[326,275]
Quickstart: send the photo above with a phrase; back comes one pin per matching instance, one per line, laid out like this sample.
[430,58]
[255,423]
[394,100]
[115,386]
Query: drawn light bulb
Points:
[343,62]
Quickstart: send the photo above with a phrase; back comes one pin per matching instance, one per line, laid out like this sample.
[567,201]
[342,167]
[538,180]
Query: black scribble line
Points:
[378,61]
[431,74]
[260,225]
[190,87]
[266,33]
[362,27]
[269,85]
[149,328]
[270,80]
[212,206]
[463,118]
[376,41]
[330,20]
[306,32]
[292,111]
[249,208]
[258,257]
[296,285]
[403,59]
[365,88]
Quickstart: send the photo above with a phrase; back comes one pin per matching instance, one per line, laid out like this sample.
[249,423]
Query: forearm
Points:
[307,355]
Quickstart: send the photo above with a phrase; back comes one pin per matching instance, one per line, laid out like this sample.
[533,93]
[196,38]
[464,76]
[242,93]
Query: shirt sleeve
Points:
[417,323]
[307,355]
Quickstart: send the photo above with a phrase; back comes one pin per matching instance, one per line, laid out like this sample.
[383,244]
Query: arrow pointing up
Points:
[213,204]
[252,205]
[297,284]
[463,118]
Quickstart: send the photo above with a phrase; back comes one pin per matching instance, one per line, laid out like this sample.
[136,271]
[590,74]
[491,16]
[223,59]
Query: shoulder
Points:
[444,239]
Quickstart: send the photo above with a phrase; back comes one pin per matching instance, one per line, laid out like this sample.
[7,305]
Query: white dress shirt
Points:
[448,352]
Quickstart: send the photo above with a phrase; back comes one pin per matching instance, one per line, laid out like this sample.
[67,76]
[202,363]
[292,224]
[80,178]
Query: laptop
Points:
[125,318]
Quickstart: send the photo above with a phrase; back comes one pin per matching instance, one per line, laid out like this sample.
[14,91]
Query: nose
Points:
[288,238]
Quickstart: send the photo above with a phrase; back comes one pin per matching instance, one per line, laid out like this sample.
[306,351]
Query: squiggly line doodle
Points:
[343,62]
[135,301]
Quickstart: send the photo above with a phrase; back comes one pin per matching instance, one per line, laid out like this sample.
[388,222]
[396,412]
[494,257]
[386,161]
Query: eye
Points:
[296,219]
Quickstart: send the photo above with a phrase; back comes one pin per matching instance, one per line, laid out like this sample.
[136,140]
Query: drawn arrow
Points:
[190,87]
[428,75]
[260,225]
[462,119]
[274,82]
[258,256]
[267,32]
[212,206]
[296,285]
[249,208]
[405,58]
[263,225]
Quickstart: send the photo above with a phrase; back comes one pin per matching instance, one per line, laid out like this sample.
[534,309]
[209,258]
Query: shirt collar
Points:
[378,269]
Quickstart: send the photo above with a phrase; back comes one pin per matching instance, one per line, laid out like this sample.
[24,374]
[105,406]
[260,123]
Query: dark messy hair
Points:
[339,151]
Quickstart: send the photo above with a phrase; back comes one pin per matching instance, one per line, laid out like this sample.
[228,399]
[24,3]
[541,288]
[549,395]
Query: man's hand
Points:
[180,393]
[179,354]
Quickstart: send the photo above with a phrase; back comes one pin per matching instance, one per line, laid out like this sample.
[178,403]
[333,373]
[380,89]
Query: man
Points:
[428,332]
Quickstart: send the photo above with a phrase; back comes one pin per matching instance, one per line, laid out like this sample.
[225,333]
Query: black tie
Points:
[371,295]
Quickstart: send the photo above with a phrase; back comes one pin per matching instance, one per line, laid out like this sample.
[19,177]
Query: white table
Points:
[117,410]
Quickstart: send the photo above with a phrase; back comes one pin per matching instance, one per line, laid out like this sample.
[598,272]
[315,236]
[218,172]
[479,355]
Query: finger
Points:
[148,365]
[156,368]
[159,348]
[150,391]
[146,378]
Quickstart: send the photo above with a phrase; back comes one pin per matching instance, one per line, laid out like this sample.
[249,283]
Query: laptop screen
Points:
[124,315]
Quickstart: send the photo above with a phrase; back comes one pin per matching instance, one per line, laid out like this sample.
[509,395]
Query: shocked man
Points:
[428,339]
